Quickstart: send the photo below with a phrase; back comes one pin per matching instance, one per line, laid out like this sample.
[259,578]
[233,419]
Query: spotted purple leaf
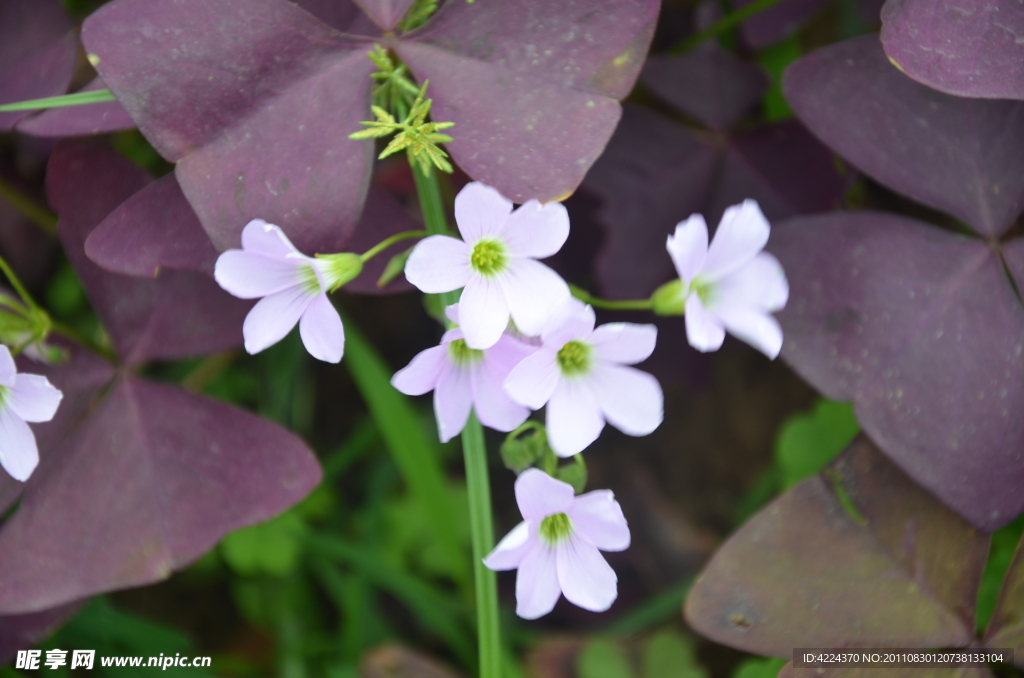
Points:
[970,48]
[957,155]
[922,329]
[859,556]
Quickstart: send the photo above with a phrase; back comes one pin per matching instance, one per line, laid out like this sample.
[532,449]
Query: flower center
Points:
[574,358]
[309,280]
[555,528]
[3,394]
[463,355]
[489,257]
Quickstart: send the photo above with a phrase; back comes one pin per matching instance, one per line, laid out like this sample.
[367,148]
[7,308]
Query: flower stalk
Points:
[475,453]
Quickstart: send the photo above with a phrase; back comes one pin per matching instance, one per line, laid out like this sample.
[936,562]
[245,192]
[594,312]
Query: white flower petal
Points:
[630,399]
[453,399]
[8,370]
[573,418]
[438,264]
[742,233]
[539,495]
[18,452]
[33,398]
[586,578]
[757,328]
[494,407]
[250,276]
[533,292]
[533,381]
[274,317]
[688,247]
[321,330]
[761,284]
[511,550]
[598,519]
[536,230]
[703,331]
[537,588]
[483,312]
[259,237]
[422,374]
[624,343]
[480,210]
[572,320]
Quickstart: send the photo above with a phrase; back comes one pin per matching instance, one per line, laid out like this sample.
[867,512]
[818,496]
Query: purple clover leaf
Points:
[973,48]
[921,328]
[243,96]
[37,53]
[858,556]
[954,154]
[124,494]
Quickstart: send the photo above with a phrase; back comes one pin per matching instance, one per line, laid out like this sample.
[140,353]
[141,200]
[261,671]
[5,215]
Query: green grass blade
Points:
[414,453]
[77,99]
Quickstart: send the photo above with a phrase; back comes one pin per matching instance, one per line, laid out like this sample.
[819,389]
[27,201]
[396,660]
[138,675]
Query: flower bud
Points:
[670,298]
[339,269]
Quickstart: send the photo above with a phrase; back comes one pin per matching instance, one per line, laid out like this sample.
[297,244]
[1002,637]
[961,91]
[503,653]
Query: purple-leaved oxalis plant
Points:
[243,95]
[94,516]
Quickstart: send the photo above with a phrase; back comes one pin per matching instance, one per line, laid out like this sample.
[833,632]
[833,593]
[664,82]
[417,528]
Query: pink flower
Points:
[731,284]
[293,288]
[581,374]
[495,263]
[557,548]
[463,378]
[23,398]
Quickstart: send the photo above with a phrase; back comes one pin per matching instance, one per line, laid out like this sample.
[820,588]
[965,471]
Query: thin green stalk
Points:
[612,304]
[26,298]
[33,211]
[723,25]
[477,479]
[93,97]
[384,244]
[482,528]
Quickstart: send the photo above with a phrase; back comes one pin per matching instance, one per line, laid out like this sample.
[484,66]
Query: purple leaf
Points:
[775,23]
[153,229]
[254,101]
[709,83]
[74,121]
[970,48]
[382,217]
[858,556]
[654,174]
[1007,626]
[23,631]
[180,314]
[37,53]
[958,155]
[532,87]
[134,494]
[922,329]
[344,15]
[657,173]
[1013,255]
[385,13]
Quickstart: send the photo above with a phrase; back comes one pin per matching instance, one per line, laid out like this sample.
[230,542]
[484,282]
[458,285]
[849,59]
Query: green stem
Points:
[477,479]
[82,340]
[33,211]
[18,287]
[384,244]
[611,304]
[482,528]
[93,97]
[723,25]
